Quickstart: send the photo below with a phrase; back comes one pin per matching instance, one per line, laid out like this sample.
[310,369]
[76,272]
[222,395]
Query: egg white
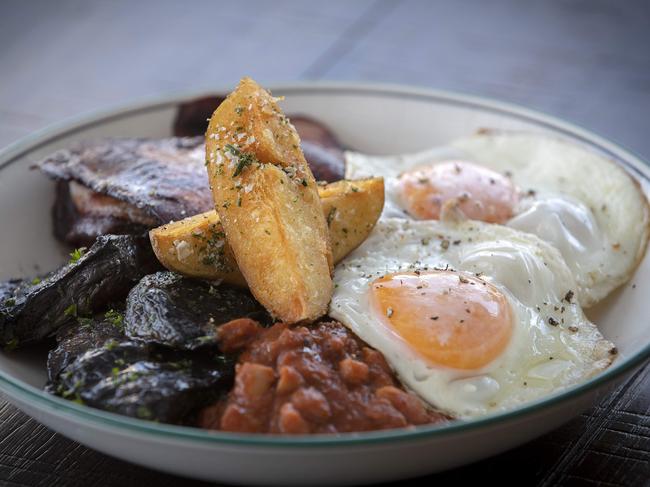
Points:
[539,359]
[585,205]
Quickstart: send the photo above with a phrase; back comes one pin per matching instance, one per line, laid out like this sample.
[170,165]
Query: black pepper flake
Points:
[434,318]
[568,296]
[573,329]
[553,322]
[613,351]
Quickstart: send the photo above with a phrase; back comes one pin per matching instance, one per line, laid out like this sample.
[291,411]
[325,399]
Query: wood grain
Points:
[584,60]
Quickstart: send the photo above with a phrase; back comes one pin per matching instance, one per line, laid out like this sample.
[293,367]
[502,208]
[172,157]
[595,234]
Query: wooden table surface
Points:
[584,60]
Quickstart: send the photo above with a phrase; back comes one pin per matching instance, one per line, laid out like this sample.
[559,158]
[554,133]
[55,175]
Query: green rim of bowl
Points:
[22,391]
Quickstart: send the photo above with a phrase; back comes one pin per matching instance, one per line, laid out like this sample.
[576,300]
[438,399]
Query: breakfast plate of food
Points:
[322,283]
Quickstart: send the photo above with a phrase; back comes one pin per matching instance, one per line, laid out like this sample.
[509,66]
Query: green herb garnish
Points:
[77,254]
[116,319]
[71,310]
[330,216]
[245,159]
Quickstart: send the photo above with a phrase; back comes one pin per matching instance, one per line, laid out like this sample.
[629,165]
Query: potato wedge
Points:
[268,204]
[351,208]
[197,247]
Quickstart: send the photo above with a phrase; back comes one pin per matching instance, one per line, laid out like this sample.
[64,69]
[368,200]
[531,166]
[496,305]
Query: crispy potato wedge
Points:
[351,208]
[197,247]
[268,204]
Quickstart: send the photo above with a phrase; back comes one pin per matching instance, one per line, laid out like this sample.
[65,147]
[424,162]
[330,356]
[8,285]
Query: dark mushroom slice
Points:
[158,179]
[83,335]
[184,313]
[325,164]
[79,225]
[143,381]
[102,275]
[192,116]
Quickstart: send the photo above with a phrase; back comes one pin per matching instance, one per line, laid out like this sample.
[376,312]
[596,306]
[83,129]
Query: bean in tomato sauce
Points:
[310,379]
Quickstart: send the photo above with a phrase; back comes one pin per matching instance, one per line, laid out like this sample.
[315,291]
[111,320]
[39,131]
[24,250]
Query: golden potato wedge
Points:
[351,208]
[197,247]
[268,204]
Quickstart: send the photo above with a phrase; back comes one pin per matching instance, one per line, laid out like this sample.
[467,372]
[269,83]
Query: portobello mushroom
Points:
[86,334]
[144,381]
[149,181]
[183,313]
[79,223]
[89,282]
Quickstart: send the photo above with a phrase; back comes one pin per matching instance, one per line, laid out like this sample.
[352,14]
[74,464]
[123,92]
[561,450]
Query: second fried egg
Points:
[474,317]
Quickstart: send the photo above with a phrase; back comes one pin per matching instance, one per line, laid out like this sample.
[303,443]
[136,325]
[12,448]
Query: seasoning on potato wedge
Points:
[197,247]
[268,204]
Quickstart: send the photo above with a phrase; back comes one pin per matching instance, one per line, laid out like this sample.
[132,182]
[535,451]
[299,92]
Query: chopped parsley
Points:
[245,159]
[115,318]
[10,302]
[70,310]
[35,281]
[77,254]
[330,216]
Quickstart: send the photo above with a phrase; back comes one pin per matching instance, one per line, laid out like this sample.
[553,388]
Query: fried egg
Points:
[474,317]
[585,205]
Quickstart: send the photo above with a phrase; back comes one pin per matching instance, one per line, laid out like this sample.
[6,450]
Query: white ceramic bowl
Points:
[373,119]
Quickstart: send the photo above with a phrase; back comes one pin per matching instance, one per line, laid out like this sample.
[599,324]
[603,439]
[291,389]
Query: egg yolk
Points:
[482,194]
[451,319]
